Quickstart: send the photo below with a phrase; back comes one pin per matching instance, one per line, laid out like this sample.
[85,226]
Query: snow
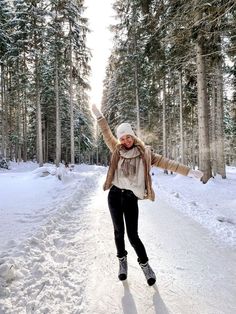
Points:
[57,253]
[213,205]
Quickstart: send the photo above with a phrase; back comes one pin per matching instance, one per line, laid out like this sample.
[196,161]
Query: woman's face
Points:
[127,141]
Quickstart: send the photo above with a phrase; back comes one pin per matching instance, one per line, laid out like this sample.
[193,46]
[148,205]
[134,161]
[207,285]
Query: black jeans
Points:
[123,205]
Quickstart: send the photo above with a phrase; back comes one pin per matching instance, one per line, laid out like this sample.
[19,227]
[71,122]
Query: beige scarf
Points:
[128,161]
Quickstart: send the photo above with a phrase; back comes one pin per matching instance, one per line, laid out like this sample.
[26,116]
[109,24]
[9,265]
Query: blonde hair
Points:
[137,142]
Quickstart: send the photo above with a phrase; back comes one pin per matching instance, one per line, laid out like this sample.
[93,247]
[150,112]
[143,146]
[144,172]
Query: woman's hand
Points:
[96,111]
[197,174]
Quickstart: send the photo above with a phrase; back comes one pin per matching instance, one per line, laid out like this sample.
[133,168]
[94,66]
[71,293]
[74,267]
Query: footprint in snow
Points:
[225,219]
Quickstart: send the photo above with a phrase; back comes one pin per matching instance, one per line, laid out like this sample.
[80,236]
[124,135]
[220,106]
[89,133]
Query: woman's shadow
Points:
[129,306]
[127,300]
[158,303]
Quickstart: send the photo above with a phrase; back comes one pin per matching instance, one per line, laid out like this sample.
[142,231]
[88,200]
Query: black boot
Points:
[123,267]
[149,273]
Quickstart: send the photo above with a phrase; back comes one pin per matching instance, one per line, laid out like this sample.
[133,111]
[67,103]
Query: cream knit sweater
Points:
[131,177]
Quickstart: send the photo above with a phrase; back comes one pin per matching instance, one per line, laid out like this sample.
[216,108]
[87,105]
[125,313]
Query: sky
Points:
[100,15]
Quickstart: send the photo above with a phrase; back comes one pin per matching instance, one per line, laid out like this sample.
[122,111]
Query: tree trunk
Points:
[164,153]
[58,120]
[72,139]
[233,115]
[164,119]
[213,129]
[220,122]
[3,116]
[203,115]
[181,119]
[19,116]
[38,105]
[137,97]
[193,140]
[10,114]
[24,120]
[46,141]
[136,73]
[24,152]
[38,117]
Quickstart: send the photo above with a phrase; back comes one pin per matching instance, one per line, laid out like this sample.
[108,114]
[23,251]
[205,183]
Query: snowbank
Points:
[213,204]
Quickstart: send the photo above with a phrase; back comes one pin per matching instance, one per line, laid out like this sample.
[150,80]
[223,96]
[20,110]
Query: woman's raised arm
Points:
[109,138]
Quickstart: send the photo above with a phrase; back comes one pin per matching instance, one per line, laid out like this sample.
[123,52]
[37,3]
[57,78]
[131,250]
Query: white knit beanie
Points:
[124,129]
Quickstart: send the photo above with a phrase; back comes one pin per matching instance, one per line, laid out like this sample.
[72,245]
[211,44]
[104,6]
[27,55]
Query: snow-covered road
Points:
[69,266]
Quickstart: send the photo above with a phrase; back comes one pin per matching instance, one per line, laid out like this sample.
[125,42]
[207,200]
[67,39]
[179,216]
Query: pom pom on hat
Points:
[124,129]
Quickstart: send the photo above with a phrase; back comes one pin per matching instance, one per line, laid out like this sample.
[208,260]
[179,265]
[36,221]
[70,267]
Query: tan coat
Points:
[149,159]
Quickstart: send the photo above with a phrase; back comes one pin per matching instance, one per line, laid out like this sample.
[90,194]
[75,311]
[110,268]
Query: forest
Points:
[44,113]
[171,74]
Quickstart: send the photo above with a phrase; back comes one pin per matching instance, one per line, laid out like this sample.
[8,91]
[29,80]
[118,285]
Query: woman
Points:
[129,180]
